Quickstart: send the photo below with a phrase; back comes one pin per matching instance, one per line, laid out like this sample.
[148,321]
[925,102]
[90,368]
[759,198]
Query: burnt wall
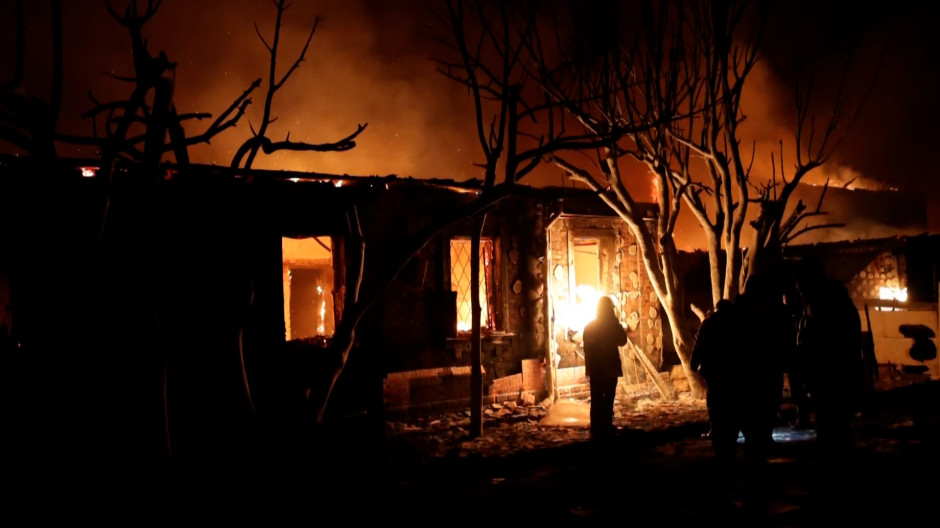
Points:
[621,273]
[641,307]
[523,244]
[415,317]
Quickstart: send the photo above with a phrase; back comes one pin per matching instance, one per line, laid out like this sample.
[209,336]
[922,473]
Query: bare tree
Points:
[142,129]
[488,49]
[500,87]
[816,139]
[259,141]
[674,83]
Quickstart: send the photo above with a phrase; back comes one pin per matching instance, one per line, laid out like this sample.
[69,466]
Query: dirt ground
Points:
[656,470]
[510,429]
[659,469]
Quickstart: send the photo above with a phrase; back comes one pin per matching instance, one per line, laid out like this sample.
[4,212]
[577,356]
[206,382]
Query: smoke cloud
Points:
[370,62]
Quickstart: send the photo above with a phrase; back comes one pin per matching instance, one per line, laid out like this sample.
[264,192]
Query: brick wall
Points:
[441,389]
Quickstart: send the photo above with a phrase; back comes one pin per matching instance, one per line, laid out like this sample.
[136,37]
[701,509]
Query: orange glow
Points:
[895,294]
[581,312]
[460,282]
[308,286]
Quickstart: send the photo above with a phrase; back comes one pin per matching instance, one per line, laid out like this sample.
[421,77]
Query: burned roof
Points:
[566,200]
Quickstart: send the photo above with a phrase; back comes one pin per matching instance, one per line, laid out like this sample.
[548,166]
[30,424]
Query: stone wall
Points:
[621,274]
[522,241]
[428,391]
[887,269]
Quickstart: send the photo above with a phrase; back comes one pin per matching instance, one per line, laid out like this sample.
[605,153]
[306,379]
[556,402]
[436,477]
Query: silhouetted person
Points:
[768,339]
[603,338]
[716,356]
[797,366]
[830,336]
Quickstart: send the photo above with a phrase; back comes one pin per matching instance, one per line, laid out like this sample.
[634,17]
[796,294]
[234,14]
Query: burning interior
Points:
[461,281]
[591,256]
[309,287]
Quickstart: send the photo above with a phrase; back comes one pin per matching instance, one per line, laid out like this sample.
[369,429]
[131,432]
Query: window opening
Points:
[308,287]
[460,281]
[587,282]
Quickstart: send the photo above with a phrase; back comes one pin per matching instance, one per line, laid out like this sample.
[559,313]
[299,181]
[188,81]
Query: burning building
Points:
[262,261]
[591,253]
[894,283]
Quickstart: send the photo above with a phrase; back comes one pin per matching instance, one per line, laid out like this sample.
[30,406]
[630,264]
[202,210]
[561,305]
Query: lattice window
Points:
[460,281]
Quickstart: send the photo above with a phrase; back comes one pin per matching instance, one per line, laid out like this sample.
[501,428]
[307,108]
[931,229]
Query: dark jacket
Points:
[602,339]
[717,352]
[830,337]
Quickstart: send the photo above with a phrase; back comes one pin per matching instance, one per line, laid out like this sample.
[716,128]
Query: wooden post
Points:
[476,352]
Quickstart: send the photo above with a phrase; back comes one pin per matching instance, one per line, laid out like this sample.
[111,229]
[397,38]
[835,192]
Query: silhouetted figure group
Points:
[740,351]
[603,338]
[829,345]
[744,349]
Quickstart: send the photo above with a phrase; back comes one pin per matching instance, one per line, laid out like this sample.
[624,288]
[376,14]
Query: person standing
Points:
[830,336]
[768,339]
[603,338]
[716,356]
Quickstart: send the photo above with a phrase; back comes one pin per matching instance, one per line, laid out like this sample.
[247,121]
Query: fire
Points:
[889,293]
[892,294]
[321,328]
[575,316]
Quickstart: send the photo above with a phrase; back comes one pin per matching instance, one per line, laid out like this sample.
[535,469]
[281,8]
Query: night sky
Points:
[369,62]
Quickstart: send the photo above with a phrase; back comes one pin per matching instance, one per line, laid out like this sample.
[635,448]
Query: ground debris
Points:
[509,427]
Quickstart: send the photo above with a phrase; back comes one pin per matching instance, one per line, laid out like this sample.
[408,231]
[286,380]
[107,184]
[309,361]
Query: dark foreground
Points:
[665,478]
[657,478]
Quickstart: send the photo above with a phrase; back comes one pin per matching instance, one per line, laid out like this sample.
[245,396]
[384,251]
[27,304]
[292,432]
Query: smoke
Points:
[843,177]
[370,62]
[862,214]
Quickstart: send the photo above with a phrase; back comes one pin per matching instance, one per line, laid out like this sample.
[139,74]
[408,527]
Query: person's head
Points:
[808,275]
[605,307]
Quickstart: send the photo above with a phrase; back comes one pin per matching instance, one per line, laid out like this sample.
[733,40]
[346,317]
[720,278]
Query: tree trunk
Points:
[683,340]
[476,353]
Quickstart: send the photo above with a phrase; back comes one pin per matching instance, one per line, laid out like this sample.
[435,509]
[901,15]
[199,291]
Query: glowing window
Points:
[308,287]
[460,281]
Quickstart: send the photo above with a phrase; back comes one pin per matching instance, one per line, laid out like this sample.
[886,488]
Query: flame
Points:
[890,293]
[893,294]
[578,314]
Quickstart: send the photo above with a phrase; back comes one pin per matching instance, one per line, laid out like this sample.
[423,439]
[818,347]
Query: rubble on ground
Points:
[511,427]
